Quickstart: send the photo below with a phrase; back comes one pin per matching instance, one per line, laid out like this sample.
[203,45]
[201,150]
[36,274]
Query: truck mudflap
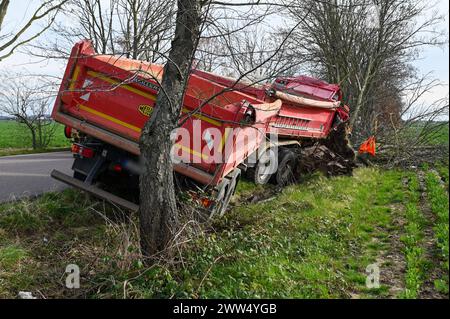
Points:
[95,191]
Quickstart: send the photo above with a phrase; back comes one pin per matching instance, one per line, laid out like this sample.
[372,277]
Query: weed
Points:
[438,198]
[313,240]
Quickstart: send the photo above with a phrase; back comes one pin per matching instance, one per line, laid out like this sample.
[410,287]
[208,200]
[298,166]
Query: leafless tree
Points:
[146,28]
[139,29]
[11,40]
[363,45]
[418,136]
[27,100]
[254,48]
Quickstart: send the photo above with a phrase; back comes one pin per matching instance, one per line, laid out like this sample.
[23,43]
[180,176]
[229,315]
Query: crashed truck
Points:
[229,129]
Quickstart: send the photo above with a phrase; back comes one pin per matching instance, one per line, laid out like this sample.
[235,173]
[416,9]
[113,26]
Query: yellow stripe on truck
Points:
[109,118]
[224,138]
[76,72]
[124,86]
[141,93]
[203,118]
[134,128]
[195,153]
[147,95]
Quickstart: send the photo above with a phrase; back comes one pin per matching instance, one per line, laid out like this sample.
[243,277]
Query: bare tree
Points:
[416,138]
[10,41]
[146,28]
[139,29]
[361,44]
[28,101]
[254,48]
[210,56]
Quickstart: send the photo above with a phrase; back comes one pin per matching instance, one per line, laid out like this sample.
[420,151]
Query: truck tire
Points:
[263,171]
[285,174]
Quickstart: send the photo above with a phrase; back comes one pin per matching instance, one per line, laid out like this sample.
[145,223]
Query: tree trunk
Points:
[158,210]
[33,138]
[361,95]
[3,8]
[41,145]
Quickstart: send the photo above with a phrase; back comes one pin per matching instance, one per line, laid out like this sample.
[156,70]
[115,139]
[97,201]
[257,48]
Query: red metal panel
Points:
[307,86]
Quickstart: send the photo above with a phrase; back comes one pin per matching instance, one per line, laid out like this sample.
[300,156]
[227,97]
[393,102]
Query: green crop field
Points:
[438,132]
[16,138]
[442,135]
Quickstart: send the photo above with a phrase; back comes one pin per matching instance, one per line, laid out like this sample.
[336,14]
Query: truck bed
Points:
[111,98]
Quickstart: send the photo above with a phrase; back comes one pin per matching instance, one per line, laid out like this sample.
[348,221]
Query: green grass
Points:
[412,239]
[442,169]
[13,272]
[437,133]
[39,238]
[438,198]
[11,256]
[313,240]
[440,136]
[16,139]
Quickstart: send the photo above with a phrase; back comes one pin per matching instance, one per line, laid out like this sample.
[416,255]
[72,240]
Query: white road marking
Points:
[23,174]
[34,154]
[37,160]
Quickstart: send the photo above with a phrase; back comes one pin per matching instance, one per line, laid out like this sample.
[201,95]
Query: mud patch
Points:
[392,261]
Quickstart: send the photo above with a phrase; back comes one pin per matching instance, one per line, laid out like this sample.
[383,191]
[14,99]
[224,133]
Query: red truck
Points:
[226,127]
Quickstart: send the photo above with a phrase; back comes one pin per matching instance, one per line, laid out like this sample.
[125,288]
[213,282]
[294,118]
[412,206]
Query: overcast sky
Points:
[435,60]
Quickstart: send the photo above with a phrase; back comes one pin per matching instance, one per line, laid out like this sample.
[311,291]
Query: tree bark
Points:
[3,8]
[33,138]
[158,211]
[39,129]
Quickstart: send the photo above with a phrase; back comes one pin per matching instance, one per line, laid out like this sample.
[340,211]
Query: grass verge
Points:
[412,241]
[25,151]
[438,198]
[312,240]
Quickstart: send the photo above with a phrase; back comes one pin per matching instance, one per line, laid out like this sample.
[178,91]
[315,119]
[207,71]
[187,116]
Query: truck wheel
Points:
[286,168]
[263,171]
[224,195]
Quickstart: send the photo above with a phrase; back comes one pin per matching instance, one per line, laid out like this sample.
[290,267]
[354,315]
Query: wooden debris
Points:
[321,158]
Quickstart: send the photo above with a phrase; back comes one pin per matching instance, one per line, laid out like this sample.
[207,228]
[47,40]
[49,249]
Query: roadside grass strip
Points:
[438,199]
[412,239]
[312,240]
[442,169]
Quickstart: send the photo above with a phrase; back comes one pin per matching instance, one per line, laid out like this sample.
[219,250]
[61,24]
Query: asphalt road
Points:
[29,175]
